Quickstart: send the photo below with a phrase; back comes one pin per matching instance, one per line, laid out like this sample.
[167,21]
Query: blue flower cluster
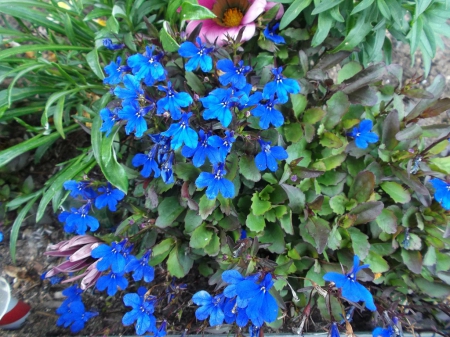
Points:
[78,220]
[146,92]
[244,299]
[441,192]
[351,289]
[72,311]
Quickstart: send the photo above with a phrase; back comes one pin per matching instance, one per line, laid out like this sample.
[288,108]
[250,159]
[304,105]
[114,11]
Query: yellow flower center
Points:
[232,17]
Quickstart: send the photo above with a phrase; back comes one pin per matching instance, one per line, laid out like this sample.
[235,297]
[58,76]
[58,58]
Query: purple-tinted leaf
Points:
[413,260]
[362,187]
[319,229]
[391,126]
[363,78]
[364,96]
[367,211]
[413,131]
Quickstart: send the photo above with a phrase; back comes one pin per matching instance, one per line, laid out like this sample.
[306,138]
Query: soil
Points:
[34,238]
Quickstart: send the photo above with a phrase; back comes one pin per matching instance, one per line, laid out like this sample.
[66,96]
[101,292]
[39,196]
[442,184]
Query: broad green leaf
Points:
[191,11]
[387,221]
[360,244]
[396,192]
[442,164]
[319,229]
[293,11]
[161,250]
[337,105]
[296,198]
[168,42]
[191,221]
[330,140]
[376,262]
[168,211]
[179,262]
[292,132]
[206,206]
[367,211]
[16,226]
[299,103]
[213,247]
[195,83]
[274,235]
[337,203]
[255,223]
[248,169]
[286,223]
[349,70]
[313,115]
[413,260]
[94,63]
[200,237]
[362,187]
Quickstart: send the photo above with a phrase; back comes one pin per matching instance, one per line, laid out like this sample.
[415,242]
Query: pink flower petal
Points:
[63,253]
[207,3]
[82,253]
[71,279]
[57,246]
[280,10]
[255,10]
[83,239]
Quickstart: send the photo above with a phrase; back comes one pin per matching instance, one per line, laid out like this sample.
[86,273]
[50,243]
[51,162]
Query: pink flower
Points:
[78,253]
[231,16]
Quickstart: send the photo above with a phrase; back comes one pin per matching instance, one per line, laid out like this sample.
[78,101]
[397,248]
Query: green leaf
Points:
[255,223]
[384,9]
[349,70]
[259,207]
[16,226]
[191,11]
[14,151]
[213,247]
[52,99]
[168,42]
[387,221]
[161,250]
[337,203]
[396,192]
[179,263]
[168,211]
[319,229]
[367,211]
[330,140]
[356,35]
[313,115]
[299,103]
[411,132]
[413,260]
[361,6]
[442,164]
[286,222]
[325,5]
[94,63]
[296,198]
[191,221]
[324,24]
[58,116]
[186,171]
[415,34]
[206,206]
[376,262]
[293,132]
[200,237]
[195,83]
[362,187]
[248,169]
[39,47]
[391,126]
[293,11]
[274,235]
[360,244]
[337,105]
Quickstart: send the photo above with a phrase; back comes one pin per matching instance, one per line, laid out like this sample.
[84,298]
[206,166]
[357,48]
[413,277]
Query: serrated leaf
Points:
[376,262]
[360,243]
[255,223]
[387,221]
[259,207]
[206,206]
[337,105]
[200,237]
[161,250]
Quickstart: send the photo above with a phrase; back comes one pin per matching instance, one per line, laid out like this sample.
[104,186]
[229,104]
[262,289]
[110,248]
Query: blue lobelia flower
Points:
[112,282]
[247,100]
[262,306]
[111,256]
[115,72]
[351,289]
[281,86]
[132,93]
[269,155]
[167,170]
[199,55]
[181,133]
[73,294]
[234,75]
[161,332]
[202,151]
[75,315]
[134,115]
[78,220]
[111,196]
[218,104]
[140,268]
[442,192]
[142,312]
[380,332]
[233,313]
[148,161]
[80,188]
[334,330]
[223,144]
[108,44]
[1,236]
[109,119]
[268,114]
[147,66]
[270,33]
[163,144]
[209,306]
[215,183]
[254,330]
[363,135]
[173,102]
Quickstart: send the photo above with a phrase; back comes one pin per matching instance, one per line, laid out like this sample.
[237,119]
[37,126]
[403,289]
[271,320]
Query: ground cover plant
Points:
[224,150]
